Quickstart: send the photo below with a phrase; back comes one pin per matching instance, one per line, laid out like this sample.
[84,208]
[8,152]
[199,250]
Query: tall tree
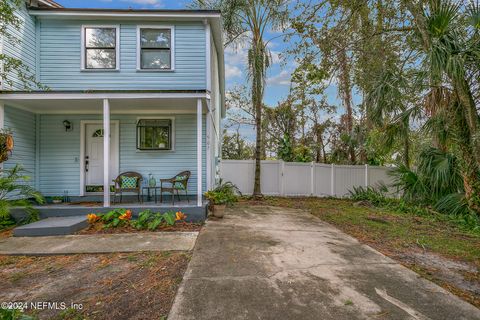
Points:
[9,20]
[250,21]
[235,147]
[447,46]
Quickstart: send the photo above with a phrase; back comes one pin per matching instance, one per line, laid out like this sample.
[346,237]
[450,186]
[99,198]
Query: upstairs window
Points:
[155,49]
[154,134]
[100,47]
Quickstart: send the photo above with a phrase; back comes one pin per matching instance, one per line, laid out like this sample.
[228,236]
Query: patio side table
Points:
[148,194]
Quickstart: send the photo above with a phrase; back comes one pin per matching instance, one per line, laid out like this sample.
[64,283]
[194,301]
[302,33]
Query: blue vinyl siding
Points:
[22,124]
[24,49]
[60,152]
[60,59]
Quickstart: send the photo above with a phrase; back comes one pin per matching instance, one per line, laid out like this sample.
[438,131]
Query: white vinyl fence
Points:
[302,179]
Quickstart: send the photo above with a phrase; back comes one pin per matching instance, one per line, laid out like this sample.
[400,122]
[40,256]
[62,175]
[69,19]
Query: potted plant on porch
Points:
[224,195]
[57,200]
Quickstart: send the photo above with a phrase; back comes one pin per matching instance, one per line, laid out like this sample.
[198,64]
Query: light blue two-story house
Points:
[127,90]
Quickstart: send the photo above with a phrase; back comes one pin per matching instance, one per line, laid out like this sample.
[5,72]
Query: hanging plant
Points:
[6,144]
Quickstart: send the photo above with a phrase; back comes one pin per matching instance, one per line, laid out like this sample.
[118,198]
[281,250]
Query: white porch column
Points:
[106,153]
[208,141]
[2,115]
[199,152]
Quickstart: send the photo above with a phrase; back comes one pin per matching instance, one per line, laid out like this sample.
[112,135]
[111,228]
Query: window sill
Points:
[155,70]
[99,70]
[155,151]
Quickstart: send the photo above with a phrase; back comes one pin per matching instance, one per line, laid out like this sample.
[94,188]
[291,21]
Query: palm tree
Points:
[249,21]
[446,49]
[388,108]
[448,46]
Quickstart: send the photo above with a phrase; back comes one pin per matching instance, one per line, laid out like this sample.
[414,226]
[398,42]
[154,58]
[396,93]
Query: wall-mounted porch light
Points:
[68,125]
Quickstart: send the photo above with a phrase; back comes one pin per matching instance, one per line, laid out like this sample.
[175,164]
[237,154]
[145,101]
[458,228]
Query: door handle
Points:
[86,164]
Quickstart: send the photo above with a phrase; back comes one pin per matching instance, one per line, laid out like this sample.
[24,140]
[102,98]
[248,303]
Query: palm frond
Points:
[473,14]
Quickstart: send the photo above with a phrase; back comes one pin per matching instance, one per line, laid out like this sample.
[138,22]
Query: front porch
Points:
[51,133]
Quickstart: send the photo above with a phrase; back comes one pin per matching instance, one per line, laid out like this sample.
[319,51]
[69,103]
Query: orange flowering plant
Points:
[145,220]
[179,215]
[117,218]
[126,216]
[92,218]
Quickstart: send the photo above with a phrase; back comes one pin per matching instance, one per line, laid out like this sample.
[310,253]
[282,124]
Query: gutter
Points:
[130,13]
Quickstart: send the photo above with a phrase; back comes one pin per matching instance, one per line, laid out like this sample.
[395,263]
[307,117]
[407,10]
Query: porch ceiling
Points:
[95,106]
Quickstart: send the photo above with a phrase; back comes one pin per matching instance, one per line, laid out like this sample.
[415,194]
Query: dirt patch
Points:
[98,228]
[6,233]
[461,278]
[113,286]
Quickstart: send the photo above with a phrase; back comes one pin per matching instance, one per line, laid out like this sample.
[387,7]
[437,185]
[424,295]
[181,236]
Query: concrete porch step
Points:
[52,227]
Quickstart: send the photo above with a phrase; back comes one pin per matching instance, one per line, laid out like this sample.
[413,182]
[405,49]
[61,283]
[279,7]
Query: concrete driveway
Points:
[277,263]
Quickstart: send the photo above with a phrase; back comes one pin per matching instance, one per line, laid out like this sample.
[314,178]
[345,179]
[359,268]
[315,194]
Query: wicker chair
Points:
[177,183]
[137,189]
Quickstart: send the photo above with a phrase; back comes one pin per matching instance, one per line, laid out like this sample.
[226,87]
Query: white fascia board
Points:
[80,96]
[123,15]
[217,34]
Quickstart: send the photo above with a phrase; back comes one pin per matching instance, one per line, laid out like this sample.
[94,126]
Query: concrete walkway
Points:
[272,263]
[106,243]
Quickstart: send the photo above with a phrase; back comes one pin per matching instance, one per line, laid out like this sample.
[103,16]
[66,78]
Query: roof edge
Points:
[99,91]
[122,11]
[51,3]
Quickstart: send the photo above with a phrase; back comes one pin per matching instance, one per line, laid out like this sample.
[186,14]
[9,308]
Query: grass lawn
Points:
[108,286]
[438,250]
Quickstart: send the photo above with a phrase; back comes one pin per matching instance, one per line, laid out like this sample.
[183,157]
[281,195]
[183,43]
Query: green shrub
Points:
[452,207]
[225,193]
[15,192]
[152,220]
[116,218]
[374,195]
[14,314]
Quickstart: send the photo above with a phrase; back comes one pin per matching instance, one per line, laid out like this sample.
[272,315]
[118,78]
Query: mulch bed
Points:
[108,286]
[6,233]
[98,228]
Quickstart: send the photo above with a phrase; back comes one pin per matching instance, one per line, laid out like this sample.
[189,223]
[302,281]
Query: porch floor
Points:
[145,204]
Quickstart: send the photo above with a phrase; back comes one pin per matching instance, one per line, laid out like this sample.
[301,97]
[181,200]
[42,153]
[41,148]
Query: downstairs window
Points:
[154,134]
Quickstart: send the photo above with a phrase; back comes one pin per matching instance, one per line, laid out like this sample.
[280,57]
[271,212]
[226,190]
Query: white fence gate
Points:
[302,179]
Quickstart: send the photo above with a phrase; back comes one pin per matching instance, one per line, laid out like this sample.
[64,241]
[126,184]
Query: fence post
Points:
[366,175]
[332,180]
[312,178]
[280,178]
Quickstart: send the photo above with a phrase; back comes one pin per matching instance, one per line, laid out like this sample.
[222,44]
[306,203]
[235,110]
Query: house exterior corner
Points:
[150,79]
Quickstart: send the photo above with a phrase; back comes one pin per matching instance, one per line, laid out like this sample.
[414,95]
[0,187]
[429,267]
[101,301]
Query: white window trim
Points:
[157,118]
[172,47]
[117,47]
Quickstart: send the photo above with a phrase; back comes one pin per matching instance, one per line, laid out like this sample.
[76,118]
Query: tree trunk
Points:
[346,93]
[466,99]
[406,149]
[470,168]
[257,94]
[319,146]
[257,104]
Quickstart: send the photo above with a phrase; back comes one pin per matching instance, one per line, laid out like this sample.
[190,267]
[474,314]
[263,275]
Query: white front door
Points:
[94,153]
